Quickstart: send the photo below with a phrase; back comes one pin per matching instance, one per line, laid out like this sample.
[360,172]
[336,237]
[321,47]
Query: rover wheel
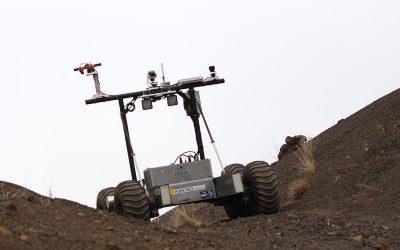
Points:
[261,177]
[130,200]
[101,201]
[234,168]
[234,210]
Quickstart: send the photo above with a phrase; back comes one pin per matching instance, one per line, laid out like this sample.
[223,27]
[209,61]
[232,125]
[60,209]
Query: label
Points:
[186,189]
[206,194]
[182,174]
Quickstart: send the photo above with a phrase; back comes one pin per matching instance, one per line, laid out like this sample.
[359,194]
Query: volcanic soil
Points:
[352,201]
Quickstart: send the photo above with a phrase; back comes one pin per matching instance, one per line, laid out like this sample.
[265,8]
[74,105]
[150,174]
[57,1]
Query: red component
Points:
[87,66]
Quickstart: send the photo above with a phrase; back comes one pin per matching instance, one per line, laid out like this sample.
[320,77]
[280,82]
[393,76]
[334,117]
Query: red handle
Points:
[87,66]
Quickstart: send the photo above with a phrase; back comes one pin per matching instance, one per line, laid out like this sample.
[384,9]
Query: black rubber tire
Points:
[101,202]
[130,200]
[233,211]
[234,168]
[265,196]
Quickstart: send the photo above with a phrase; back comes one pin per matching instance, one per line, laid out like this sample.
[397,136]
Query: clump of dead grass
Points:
[306,157]
[298,188]
[181,217]
[10,194]
[306,167]
[188,219]
[3,194]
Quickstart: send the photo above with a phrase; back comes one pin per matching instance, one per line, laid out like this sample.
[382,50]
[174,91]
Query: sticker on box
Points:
[206,194]
[186,189]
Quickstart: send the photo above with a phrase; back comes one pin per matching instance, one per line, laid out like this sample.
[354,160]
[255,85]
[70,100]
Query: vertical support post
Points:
[127,139]
[97,83]
[194,114]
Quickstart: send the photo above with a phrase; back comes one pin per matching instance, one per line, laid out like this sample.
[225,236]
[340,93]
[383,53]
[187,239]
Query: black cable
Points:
[130,106]
[193,155]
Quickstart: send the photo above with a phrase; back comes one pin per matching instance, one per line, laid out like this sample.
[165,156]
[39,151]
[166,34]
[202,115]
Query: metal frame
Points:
[158,91]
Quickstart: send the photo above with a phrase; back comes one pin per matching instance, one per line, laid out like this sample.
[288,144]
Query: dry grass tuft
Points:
[183,218]
[298,188]
[306,158]
[6,195]
[3,193]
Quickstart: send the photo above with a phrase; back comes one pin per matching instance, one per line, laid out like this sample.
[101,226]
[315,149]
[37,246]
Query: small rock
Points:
[23,237]
[57,218]
[292,216]
[112,246]
[31,198]
[147,238]
[380,127]
[170,230]
[348,225]
[333,233]
[81,214]
[347,157]
[382,244]
[356,238]
[110,228]
[385,227]
[4,230]
[9,205]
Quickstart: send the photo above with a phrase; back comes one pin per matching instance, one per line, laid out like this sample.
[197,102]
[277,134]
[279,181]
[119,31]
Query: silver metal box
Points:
[187,182]
[183,172]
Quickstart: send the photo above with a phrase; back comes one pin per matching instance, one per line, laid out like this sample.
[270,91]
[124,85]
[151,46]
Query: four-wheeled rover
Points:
[242,190]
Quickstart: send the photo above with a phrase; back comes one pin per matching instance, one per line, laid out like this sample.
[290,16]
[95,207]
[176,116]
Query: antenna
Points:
[162,72]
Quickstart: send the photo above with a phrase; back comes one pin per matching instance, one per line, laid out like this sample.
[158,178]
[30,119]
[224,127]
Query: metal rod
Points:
[219,158]
[205,122]
[97,84]
[160,90]
[195,118]
[211,137]
[137,168]
[129,149]
[162,72]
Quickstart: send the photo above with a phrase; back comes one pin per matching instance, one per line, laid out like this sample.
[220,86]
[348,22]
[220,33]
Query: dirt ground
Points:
[353,202]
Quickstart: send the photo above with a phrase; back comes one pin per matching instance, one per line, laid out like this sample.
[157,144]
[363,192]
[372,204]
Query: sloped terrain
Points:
[31,221]
[353,202]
